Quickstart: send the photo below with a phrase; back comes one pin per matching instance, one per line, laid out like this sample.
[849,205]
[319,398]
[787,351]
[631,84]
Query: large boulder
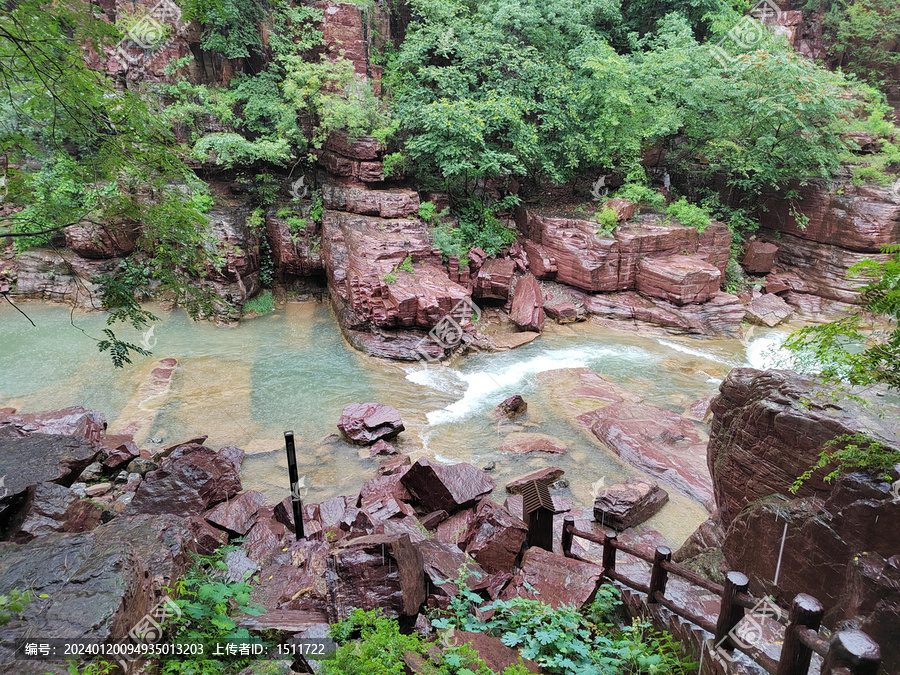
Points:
[188,482]
[554,580]
[46,508]
[236,516]
[769,427]
[768,310]
[447,487]
[657,441]
[394,203]
[378,571]
[678,279]
[493,651]
[72,421]
[759,257]
[521,442]
[547,475]
[42,458]
[528,305]
[628,504]
[363,256]
[494,279]
[495,538]
[90,240]
[586,261]
[94,585]
[367,423]
[720,316]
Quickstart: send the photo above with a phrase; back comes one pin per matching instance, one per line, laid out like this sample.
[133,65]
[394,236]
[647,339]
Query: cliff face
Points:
[842,540]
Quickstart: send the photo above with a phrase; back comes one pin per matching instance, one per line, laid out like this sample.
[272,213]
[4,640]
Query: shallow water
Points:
[292,370]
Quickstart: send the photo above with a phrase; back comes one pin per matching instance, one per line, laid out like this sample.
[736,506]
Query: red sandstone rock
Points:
[495,537]
[859,218]
[366,423]
[455,529]
[678,279]
[362,147]
[102,241]
[72,421]
[624,209]
[528,305]
[47,508]
[237,515]
[495,654]
[510,408]
[494,279]
[548,475]
[759,257]
[360,252]
[294,253]
[561,312]
[541,264]
[189,481]
[446,487]
[722,315]
[207,539]
[822,269]
[768,310]
[764,434]
[553,579]
[658,441]
[121,456]
[443,563]
[395,203]
[592,264]
[378,572]
[521,442]
[628,504]
[382,448]
[264,538]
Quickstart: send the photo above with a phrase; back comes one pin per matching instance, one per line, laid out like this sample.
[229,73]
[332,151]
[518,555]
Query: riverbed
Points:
[292,370]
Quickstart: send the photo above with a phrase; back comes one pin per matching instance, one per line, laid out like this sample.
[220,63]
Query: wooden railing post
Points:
[730,613]
[568,524]
[853,651]
[609,553]
[795,656]
[658,575]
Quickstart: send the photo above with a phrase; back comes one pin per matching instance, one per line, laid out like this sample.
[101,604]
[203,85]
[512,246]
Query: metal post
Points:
[730,613]
[295,488]
[659,576]
[854,651]
[795,656]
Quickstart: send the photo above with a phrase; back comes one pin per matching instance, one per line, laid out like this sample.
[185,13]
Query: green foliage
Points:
[478,226]
[264,303]
[230,27]
[689,214]
[95,668]
[406,265]
[429,213]
[393,164]
[862,32]
[371,644]
[207,602]
[378,651]
[845,350]
[609,221]
[565,641]
[852,452]
[640,194]
[390,277]
[13,603]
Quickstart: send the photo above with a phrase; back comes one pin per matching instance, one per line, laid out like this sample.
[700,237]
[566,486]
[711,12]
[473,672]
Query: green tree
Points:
[104,158]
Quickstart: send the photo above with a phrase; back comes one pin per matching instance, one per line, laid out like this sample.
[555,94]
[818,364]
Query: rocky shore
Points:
[99,528]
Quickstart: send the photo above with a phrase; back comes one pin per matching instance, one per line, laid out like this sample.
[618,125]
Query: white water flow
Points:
[292,369]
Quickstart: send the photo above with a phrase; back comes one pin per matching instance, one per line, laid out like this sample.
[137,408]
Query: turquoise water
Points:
[292,370]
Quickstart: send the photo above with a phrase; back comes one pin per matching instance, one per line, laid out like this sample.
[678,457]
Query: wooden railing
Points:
[849,652]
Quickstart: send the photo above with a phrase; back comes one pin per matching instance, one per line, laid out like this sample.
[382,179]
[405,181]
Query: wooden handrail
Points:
[850,652]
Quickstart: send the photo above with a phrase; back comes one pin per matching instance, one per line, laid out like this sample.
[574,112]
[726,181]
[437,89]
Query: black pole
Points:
[295,488]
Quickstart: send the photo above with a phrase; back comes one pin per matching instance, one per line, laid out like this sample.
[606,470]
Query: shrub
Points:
[852,452]
[640,194]
[264,303]
[689,214]
[609,220]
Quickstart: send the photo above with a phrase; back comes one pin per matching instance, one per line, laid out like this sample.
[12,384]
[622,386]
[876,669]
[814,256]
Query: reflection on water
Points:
[292,370]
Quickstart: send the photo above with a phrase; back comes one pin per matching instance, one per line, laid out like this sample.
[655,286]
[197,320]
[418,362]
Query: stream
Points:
[292,370]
